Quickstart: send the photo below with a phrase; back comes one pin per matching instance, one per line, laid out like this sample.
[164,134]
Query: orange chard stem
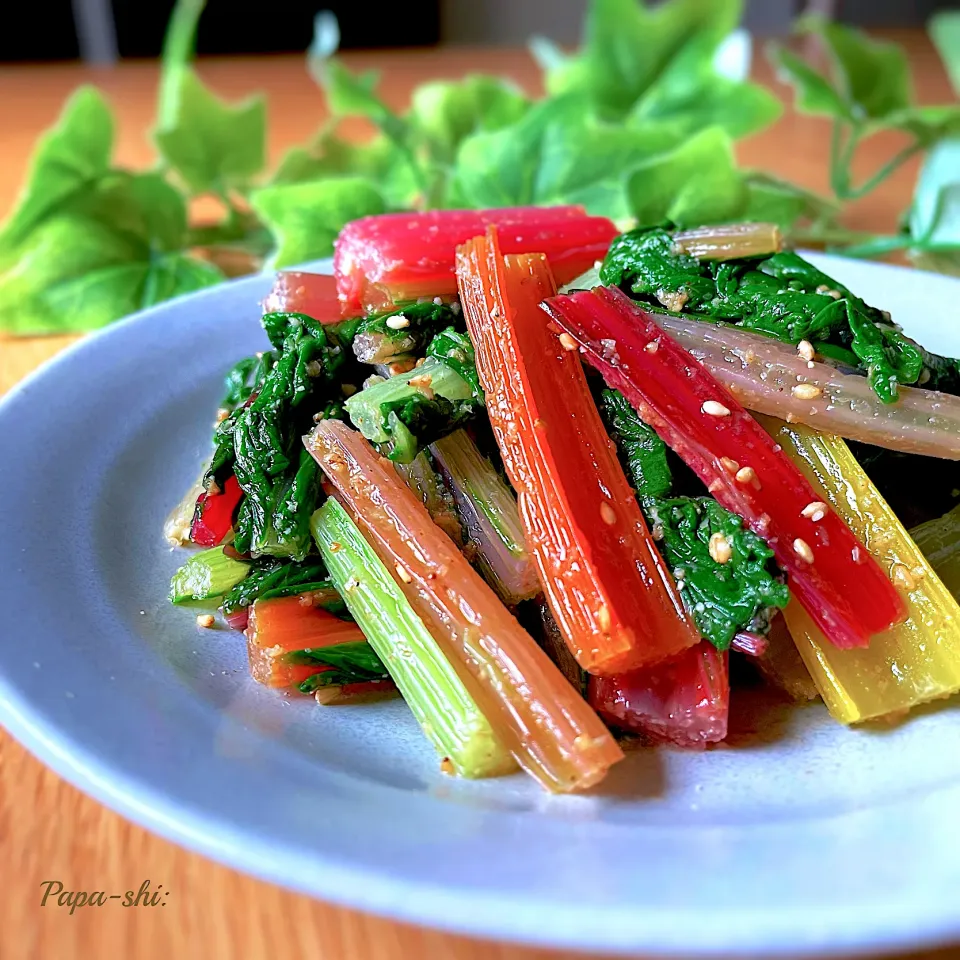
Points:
[610,592]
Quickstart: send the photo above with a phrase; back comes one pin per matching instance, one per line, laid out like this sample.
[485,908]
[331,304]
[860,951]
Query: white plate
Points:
[800,838]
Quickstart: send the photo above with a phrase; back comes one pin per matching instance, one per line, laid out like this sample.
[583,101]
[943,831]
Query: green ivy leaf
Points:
[873,76]
[213,145]
[443,114]
[945,33]
[771,200]
[696,183]
[629,46]
[927,124]
[379,161]
[70,158]
[558,153]
[350,94]
[112,249]
[305,218]
[813,92]
[935,215]
[740,108]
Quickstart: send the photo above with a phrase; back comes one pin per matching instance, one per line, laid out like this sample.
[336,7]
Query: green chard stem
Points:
[432,688]
[207,576]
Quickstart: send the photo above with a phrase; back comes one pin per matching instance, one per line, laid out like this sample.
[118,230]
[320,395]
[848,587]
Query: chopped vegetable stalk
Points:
[783,666]
[404,414]
[213,516]
[426,483]
[608,588]
[442,705]
[206,575]
[729,580]
[831,574]
[284,626]
[685,701]
[917,660]
[312,294]
[272,578]
[403,332]
[488,509]
[551,732]
[387,259]
[733,241]
[939,542]
[774,378]
[782,295]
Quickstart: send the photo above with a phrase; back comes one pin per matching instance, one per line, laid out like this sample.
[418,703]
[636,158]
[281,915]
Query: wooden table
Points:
[49,830]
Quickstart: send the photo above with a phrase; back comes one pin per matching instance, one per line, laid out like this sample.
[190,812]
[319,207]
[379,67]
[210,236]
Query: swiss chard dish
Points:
[544,480]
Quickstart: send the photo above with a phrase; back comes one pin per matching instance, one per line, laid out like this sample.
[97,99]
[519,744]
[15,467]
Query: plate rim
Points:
[105,779]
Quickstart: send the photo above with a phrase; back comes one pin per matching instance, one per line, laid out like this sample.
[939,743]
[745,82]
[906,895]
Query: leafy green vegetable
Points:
[382,338]
[722,597]
[782,295]
[408,412]
[355,662]
[280,480]
[211,145]
[270,578]
[306,217]
[207,575]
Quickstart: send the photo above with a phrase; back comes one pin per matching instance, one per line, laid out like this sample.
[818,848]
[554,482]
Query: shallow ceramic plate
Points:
[798,836]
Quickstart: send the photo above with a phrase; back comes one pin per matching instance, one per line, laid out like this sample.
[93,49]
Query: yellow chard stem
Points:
[916,661]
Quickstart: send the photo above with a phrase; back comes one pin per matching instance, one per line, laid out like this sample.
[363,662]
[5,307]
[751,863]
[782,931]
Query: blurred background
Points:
[104,30]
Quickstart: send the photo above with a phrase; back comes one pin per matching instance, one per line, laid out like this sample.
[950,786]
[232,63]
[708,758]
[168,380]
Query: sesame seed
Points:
[512,429]
[827,291]
[607,514]
[446,766]
[903,576]
[539,423]
[731,466]
[348,389]
[351,584]
[802,549]
[653,346]
[719,548]
[746,475]
[222,414]
[314,368]
[603,617]
[317,417]
[403,573]
[335,545]
[206,620]
[713,408]
[805,349]
[398,322]
[806,391]
[749,356]
[715,485]
[401,366]
[815,511]
[567,342]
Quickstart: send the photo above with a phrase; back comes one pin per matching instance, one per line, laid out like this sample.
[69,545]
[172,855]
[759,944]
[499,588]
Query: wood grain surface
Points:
[49,830]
